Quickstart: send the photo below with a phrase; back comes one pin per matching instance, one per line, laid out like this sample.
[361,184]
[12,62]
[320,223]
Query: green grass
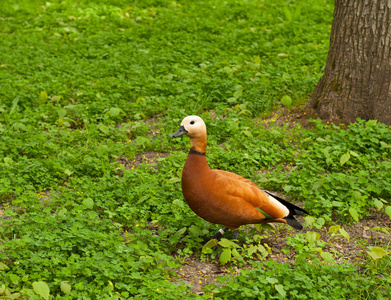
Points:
[86,84]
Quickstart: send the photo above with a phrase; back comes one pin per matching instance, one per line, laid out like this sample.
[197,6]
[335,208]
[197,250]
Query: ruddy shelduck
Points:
[223,197]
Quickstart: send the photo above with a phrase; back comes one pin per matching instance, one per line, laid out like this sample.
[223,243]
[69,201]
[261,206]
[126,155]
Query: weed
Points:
[88,85]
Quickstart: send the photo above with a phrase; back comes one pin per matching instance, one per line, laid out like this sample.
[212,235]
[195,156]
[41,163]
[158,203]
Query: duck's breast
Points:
[216,198]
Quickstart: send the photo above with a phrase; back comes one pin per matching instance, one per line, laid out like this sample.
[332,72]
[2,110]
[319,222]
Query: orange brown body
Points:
[223,197]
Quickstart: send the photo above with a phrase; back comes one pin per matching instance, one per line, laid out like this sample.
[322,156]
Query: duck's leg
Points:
[220,233]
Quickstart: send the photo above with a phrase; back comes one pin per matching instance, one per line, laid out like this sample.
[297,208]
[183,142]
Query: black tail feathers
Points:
[293,210]
[290,220]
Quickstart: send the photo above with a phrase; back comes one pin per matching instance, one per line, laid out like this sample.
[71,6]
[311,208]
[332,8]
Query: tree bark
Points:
[357,78]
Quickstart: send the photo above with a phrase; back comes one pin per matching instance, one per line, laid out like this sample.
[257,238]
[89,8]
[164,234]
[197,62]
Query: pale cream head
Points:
[194,127]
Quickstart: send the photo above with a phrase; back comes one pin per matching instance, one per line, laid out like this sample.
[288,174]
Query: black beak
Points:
[181,131]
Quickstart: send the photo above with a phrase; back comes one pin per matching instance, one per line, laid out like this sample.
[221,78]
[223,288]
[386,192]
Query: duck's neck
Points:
[198,144]
[195,166]
[196,152]
[196,160]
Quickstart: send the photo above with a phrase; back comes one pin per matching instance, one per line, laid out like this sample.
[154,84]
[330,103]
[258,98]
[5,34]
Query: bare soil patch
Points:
[148,157]
[197,273]
[289,117]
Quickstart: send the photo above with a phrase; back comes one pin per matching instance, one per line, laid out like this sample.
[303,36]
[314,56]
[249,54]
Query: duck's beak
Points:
[181,131]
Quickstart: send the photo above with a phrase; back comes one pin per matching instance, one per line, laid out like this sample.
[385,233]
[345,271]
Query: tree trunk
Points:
[357,78]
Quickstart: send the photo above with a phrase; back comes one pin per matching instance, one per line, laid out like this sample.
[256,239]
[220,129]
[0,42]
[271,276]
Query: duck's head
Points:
[194,127]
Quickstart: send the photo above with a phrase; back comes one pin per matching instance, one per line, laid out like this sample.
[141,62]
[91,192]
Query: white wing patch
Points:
[278,204]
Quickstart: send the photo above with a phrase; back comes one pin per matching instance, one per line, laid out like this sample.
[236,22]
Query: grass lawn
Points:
[90,199]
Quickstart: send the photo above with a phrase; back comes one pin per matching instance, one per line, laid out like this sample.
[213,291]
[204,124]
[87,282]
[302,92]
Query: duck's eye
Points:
[192,123]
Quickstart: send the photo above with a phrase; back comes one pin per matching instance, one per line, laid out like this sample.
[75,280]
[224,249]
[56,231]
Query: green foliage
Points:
[230,252]
[89,87]
[308,280]
[377,253]
[314,273]
[348,169]
[286,100]
[42,289]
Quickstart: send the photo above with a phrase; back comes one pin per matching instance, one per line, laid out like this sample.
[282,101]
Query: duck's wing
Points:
[270,204]
[236,177]
[240,187]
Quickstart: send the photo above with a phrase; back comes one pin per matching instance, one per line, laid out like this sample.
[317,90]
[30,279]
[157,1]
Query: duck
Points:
[225,198]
